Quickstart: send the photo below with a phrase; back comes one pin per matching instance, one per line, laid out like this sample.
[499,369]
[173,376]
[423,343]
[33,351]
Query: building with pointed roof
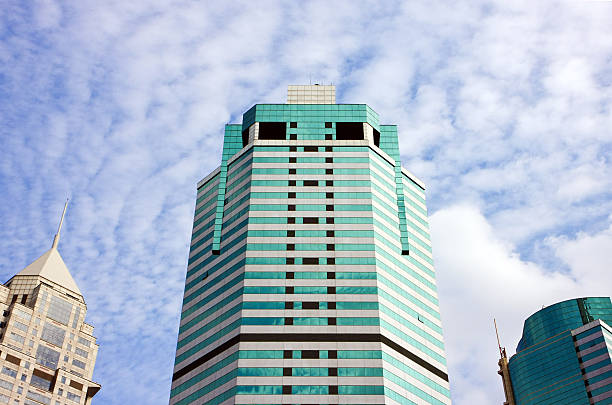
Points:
[47,351]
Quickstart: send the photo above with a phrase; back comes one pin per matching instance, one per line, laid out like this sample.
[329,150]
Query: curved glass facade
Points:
[564,355]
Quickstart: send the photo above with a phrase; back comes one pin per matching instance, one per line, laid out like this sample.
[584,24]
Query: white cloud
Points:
[480,277]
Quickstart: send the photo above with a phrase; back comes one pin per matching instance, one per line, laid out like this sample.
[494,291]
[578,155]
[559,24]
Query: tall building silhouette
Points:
[564,356]
[310,277]
[47,351]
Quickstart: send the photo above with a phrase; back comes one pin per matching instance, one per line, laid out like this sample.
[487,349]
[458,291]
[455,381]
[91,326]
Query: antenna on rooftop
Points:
[501,351]
[59,228]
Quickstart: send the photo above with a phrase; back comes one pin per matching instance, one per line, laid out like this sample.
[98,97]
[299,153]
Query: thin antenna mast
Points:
[501,353]
[59,228]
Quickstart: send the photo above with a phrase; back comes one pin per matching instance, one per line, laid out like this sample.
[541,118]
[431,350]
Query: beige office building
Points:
[47,351]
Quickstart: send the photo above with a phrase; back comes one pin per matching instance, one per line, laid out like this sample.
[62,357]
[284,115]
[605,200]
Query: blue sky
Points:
[504,110]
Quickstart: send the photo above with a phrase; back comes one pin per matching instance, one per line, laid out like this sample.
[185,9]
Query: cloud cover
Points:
[503,110]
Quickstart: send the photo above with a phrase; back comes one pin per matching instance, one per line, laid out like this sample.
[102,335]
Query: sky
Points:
[503,110]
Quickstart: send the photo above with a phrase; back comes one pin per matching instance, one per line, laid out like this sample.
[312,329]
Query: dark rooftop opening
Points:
[376,138]
[346,131]
[273,130]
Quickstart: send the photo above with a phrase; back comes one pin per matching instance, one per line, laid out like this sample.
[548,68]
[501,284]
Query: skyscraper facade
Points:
[47,351]
[310,277]
[564,356]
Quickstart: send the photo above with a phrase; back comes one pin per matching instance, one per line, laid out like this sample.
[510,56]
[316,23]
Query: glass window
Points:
[78,363]
[6,384]
[59,310]
[38,397]
[83,341]
[4,399]
[21,326]
[53,334]
[73,397]
[47,357]
[40,382]
[9,371]
[17,338]
[81,352]
[22,314]
[77,313]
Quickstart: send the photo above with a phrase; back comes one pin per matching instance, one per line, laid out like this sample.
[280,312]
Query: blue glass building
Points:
[564,355]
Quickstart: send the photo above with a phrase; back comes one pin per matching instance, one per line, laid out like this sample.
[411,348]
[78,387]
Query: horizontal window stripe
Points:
[312,337]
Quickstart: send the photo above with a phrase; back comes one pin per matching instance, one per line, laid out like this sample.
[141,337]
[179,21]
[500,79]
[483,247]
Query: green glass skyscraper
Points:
[564,356]
[310,276]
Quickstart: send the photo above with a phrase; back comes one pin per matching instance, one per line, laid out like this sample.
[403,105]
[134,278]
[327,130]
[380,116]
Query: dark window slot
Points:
[311,220]
[310,260]
[310,354]
[310,305]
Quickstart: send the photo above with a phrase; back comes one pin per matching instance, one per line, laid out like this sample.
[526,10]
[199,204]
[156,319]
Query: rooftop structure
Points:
[47,351]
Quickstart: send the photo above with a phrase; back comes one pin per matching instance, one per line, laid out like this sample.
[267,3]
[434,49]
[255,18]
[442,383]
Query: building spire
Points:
[59,228]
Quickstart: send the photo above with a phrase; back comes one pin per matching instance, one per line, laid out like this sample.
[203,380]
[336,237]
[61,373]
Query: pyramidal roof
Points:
[51,265]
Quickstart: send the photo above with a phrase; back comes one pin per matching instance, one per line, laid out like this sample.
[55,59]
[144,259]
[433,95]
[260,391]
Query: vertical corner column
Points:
[401,210]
